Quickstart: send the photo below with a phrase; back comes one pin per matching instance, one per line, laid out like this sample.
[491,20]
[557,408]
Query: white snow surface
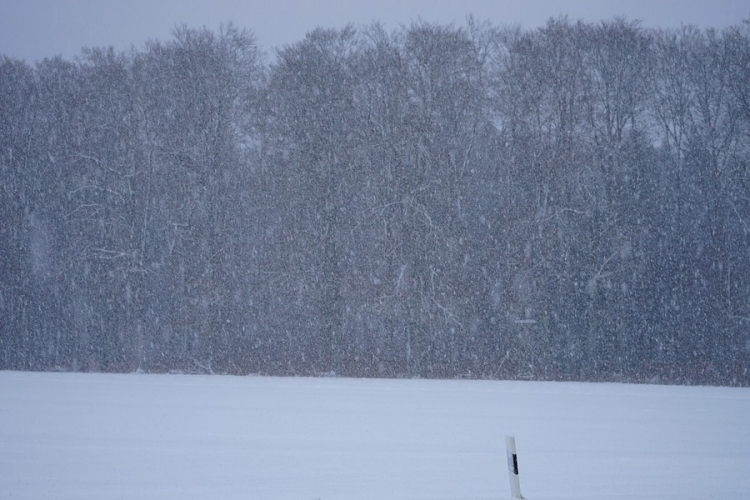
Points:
[137,436]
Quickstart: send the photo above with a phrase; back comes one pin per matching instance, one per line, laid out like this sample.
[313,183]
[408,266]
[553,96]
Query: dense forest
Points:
[564,203]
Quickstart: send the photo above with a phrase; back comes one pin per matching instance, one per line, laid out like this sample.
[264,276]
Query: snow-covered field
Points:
[94,436]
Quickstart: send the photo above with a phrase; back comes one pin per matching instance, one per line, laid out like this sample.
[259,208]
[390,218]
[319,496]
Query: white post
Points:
[515,483]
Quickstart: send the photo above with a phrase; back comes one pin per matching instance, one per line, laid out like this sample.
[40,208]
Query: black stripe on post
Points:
[515,464]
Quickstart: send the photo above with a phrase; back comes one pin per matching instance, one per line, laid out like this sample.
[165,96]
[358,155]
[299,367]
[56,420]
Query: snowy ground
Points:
[92,436]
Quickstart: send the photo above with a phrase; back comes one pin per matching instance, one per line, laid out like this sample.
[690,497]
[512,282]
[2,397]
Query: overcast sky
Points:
[35,29]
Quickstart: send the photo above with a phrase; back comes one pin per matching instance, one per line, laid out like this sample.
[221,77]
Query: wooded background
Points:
[564,203]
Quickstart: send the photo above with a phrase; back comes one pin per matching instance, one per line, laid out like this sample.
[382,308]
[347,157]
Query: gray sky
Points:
[34,29]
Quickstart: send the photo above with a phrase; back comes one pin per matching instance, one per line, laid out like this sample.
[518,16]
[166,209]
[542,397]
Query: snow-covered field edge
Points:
[102,436]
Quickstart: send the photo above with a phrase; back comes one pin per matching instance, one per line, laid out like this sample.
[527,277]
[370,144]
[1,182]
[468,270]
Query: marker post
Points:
[515,483]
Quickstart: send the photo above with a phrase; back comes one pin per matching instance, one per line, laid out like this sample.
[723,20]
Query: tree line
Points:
[564,203]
